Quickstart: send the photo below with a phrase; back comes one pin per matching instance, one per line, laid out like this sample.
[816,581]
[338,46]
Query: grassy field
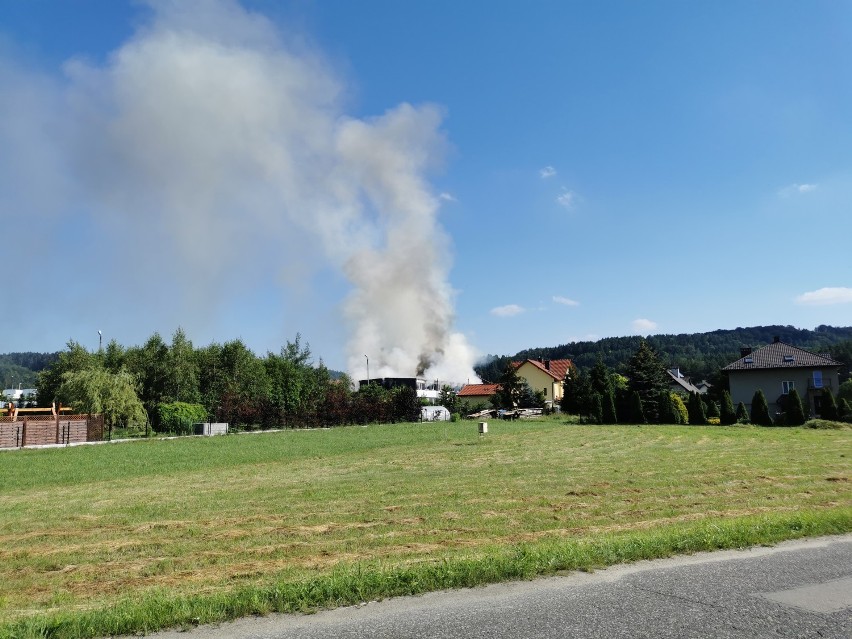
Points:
[121,538]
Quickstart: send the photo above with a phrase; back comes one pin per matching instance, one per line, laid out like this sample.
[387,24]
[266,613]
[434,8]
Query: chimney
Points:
[547,364]
[745,350]
[776,339]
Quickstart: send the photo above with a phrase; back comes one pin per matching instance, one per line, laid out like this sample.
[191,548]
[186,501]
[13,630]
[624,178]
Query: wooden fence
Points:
[38,430]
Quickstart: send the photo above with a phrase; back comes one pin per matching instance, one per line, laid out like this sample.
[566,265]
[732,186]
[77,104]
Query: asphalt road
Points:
[795,589]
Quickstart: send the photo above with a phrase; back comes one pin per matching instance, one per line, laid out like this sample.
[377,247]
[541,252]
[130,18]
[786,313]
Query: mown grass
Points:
[125,538]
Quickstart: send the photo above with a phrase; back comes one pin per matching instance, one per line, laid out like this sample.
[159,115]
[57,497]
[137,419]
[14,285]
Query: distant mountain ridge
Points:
[698,355]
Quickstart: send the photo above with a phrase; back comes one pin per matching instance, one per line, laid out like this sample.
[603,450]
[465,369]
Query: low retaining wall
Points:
[42,430]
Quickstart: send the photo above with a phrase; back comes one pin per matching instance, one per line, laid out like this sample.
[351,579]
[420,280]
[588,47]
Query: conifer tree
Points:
[637,415]
[742,414]
[666,408]
[829,406]
[695,407]
[711,408]
[596,414]
[760,410]
[647,377]
[609,414]
[795,414]
[727,415]
[843,409]
[679,408]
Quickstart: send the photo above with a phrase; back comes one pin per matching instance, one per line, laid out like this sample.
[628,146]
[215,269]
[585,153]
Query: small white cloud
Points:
[643,326]
[507,311]
[565,301]
[566,199]
[547,172]
[448,197]
[826,296]
[796,189]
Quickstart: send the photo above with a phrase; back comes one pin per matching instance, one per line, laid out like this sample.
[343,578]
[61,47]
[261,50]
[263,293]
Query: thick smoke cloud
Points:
[209,129]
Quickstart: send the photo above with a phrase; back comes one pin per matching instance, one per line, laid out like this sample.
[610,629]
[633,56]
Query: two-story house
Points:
[778,368]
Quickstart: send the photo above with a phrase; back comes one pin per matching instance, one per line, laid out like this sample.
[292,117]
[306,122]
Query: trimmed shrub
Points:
[742,414]
[178,417]
[680,408]
[727,415]
[794,415]
[829,406]
[760,410]
[637,415]
[695,408]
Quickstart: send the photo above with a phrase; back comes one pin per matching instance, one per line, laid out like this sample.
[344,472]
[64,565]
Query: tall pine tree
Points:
[647,377]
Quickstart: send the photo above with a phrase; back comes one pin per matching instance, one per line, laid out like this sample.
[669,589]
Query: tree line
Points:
[165,386]
[697,355]
[602,396]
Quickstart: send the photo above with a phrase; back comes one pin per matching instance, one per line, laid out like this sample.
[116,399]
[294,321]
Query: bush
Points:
[455,417]
[727,415]
[713,421]
[695,408]
[825,424]
[829,406]
[680,409]
[794,414]
[760,410]
[742,414]
[178,417]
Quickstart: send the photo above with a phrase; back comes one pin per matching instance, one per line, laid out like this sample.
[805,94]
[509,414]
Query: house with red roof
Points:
[475,394]
[545,375]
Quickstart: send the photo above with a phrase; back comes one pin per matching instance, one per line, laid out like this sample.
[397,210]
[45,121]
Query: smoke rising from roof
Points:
[209,128]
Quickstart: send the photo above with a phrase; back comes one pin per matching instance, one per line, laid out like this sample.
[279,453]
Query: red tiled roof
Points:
[478,390]
[557,370]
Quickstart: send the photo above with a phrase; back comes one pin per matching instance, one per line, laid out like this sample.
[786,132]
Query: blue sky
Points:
[595,169]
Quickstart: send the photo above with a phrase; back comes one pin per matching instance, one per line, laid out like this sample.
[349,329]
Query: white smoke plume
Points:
[216,139]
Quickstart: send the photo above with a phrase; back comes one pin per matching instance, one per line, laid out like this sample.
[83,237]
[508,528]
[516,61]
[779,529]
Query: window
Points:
[749,360]
[789,359]
[545,391]
[786,387]
[817,379]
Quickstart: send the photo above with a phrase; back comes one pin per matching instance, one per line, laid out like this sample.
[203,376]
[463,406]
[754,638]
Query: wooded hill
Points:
[697,355]
[23,368]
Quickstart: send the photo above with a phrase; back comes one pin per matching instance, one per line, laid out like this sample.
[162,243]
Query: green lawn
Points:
[127,537]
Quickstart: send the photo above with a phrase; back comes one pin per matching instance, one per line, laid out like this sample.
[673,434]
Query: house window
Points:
[817,379]
[786,387]
[545,391]
[749,360]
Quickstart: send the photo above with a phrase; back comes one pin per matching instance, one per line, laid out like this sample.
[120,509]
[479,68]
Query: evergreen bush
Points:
[742,414]
[760,410]
[680,409]
[637,415]
[695,407]
[727,415]
[829,406]
[794,415]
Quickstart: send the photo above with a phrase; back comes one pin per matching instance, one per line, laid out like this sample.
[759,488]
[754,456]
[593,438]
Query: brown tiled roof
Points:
[558,367]
[780,355]
[478,390]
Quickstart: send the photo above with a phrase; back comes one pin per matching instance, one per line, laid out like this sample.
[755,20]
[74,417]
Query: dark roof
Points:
[478,390]
[556,368]
[780,355]
[684,383]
